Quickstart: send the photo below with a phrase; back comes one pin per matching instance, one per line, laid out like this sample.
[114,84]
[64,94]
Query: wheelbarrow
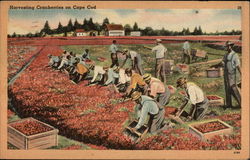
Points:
[196,53]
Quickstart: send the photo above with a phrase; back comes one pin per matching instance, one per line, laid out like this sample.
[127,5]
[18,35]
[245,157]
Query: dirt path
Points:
[208,62]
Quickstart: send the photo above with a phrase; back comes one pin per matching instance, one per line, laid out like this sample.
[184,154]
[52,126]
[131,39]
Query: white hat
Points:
[158,40]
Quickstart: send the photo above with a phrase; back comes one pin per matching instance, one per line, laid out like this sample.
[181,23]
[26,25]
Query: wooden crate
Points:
[172,89]
[213,73]
[209,135]
[37,141]
[183,68]
[219,101]
[135,136]
[200,53]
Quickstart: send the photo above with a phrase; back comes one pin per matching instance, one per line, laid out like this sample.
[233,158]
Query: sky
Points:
[23,21]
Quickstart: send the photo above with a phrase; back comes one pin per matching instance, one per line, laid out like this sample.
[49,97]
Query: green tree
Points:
[14,35]
[85,25]
[148,31]
[46,29]
[76,24]
[195,32]
[127,29]
[98,28]
[199,31]
[188,31]
[105,22]
[183,32]
[70,26]
[91,25]
[59,28]
[135,27]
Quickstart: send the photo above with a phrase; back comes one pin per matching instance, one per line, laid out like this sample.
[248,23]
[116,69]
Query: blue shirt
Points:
[149,106]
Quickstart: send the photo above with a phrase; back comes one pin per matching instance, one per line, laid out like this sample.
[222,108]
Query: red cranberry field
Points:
[94,114]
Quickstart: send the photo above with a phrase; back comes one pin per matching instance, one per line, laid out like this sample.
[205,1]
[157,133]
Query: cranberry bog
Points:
[94,114]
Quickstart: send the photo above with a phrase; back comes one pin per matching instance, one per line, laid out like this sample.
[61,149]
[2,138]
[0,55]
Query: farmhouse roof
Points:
[80,30]
[114,27]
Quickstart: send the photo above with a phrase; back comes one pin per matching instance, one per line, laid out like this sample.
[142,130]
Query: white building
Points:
[80,32]
[114,30]
[135,33]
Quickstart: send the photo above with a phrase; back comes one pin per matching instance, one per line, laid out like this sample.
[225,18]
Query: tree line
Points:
[89,25]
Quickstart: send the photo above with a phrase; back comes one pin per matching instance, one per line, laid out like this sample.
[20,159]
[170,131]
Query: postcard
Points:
[124,80]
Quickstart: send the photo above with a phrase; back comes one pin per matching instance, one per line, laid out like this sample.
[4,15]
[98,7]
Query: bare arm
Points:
[148,47]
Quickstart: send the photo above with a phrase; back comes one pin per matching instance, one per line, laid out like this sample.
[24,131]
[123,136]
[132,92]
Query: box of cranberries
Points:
[30,133]
[208,129]
[215,100]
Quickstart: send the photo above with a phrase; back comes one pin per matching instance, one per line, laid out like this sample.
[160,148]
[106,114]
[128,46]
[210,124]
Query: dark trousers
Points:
[76,77]
[156,122]
[186,56]
[231,90]
[160,69]
[114,60]
[200,109]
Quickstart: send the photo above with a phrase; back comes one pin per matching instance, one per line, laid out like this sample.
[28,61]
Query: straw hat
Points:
[158,40]
[147,77]
[181,81]
[125,50]
[135,95]
[228,43]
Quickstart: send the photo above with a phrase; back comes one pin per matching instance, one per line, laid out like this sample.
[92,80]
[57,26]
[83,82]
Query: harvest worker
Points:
[113,50]
[64,63]
[197,98]
[112,76]
[136,84]
[136,60]
[157,90]
[71,62]
[147,106]
[81,71]
[231,64]
[160,52]
[186,52]
[118,77]
[99,70]
[85,55]
[54,61]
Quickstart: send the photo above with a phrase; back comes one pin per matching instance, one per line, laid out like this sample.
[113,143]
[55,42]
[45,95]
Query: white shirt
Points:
[63,62]
[98,70]
[159,51]
[195,93]
[123,78]
[186,45]
[133,54]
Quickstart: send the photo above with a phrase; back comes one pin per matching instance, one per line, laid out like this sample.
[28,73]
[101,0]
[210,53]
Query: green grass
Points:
[64,142]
